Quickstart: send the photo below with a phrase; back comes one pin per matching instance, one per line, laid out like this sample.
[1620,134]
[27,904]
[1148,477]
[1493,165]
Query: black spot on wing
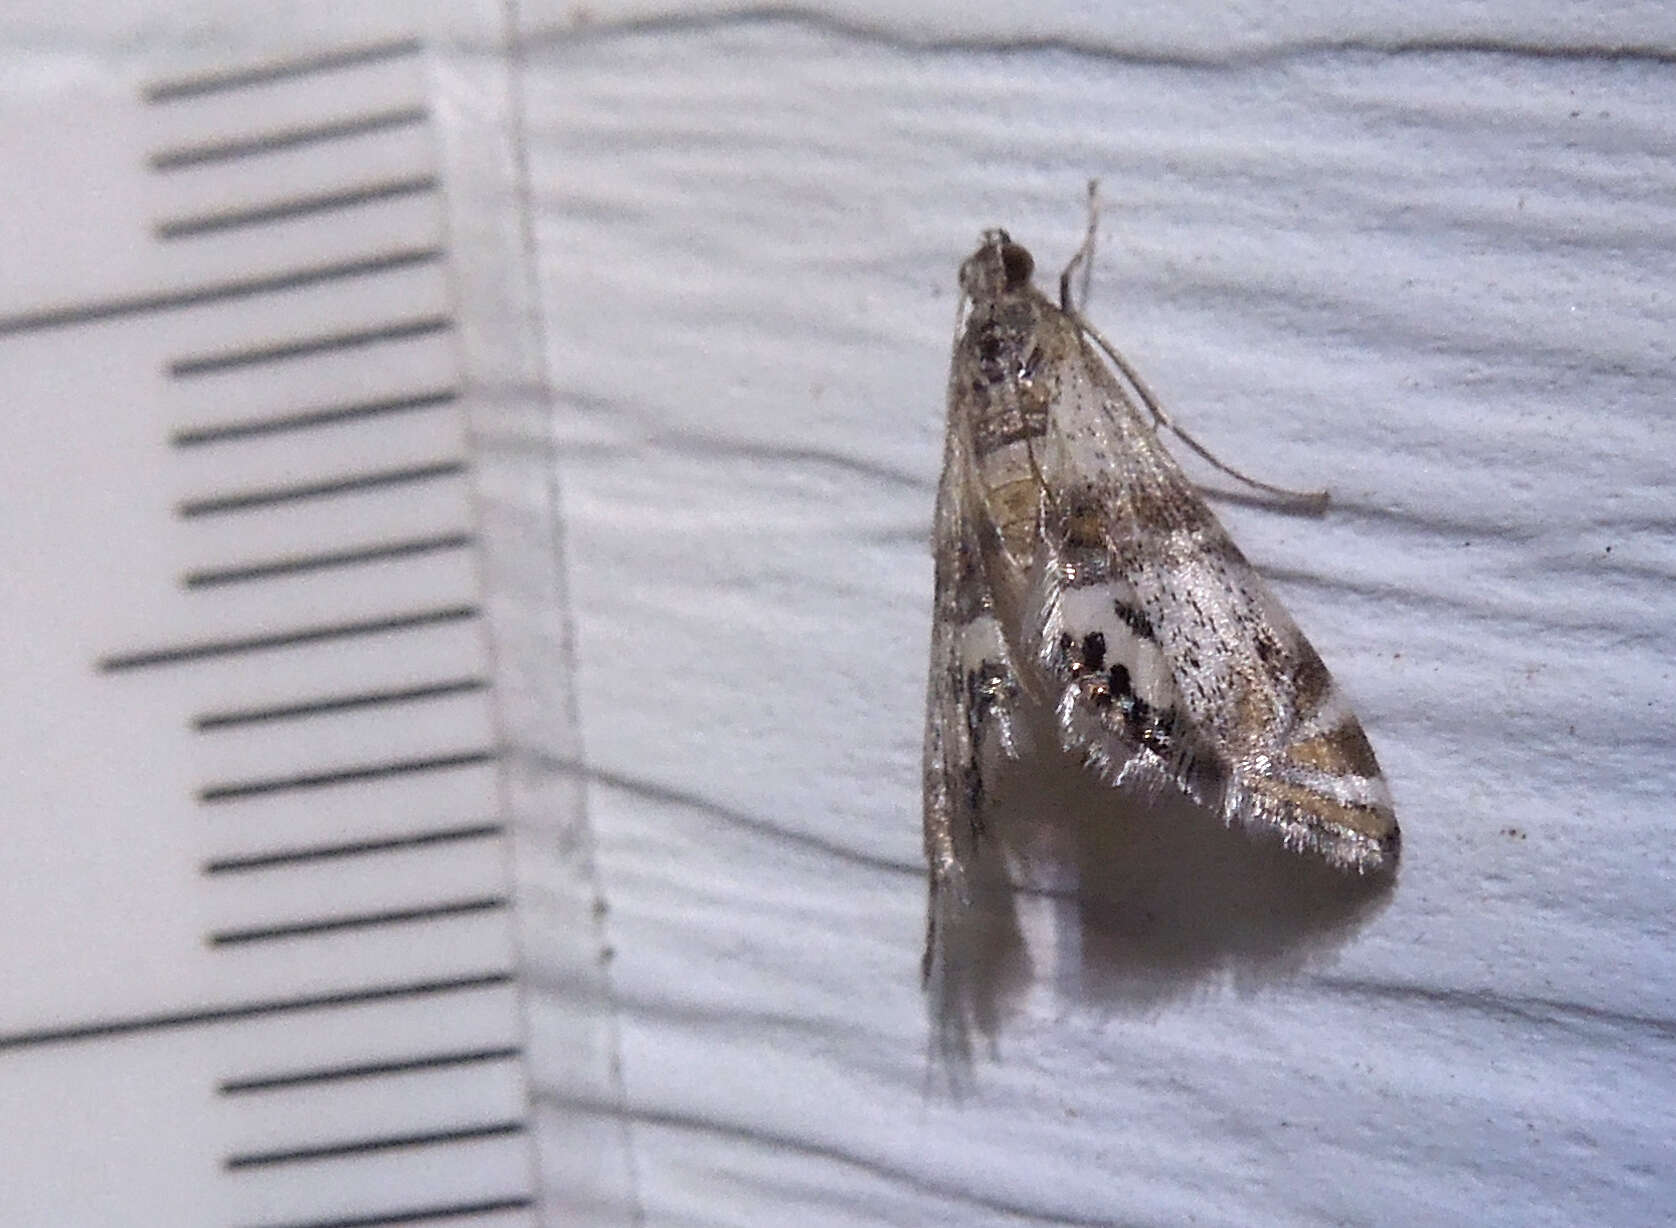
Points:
[1080,658]
[1122,688]
[990,690]
[989,347]
[1154,728]
[1135,619]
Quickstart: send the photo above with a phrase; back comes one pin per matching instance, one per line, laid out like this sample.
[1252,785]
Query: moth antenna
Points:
[1084,255]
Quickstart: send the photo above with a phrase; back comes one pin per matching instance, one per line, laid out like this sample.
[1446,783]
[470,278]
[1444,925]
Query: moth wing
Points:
[1171,658]
[972,693]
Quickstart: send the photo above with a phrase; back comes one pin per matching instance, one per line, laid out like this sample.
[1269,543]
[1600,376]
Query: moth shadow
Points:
[1130,902]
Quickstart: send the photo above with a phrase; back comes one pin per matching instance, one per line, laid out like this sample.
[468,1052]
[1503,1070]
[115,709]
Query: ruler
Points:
[260,949]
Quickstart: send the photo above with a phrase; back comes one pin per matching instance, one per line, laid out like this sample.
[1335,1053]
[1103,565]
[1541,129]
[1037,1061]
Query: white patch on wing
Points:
[1332,712]
[981,641]
[1343,788]
[1093,608]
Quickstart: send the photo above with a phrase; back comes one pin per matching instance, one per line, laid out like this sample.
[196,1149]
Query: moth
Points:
[1078,567]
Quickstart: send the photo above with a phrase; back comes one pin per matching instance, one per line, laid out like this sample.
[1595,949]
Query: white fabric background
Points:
[1424,261]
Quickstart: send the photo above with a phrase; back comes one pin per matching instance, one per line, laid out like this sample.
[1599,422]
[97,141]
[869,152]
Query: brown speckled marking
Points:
[1161,510]
[1083,528]
[1341,751]
[1311,681]
[995,431]
[1016,509]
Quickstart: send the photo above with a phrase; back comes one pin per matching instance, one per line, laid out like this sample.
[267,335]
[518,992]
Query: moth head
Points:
[998,267]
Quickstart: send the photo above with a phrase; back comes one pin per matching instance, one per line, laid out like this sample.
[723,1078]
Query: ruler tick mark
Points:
[358,921]
[337,703]
[308,419]
[363,1146]
[199,296]
[246,500]
[357,848]
[354,774]
[409,1215]
[223,80]
[183,653]
[105,1028]
[301,564]
[292,208]
[366,1070]
[287,138]
[308,347]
